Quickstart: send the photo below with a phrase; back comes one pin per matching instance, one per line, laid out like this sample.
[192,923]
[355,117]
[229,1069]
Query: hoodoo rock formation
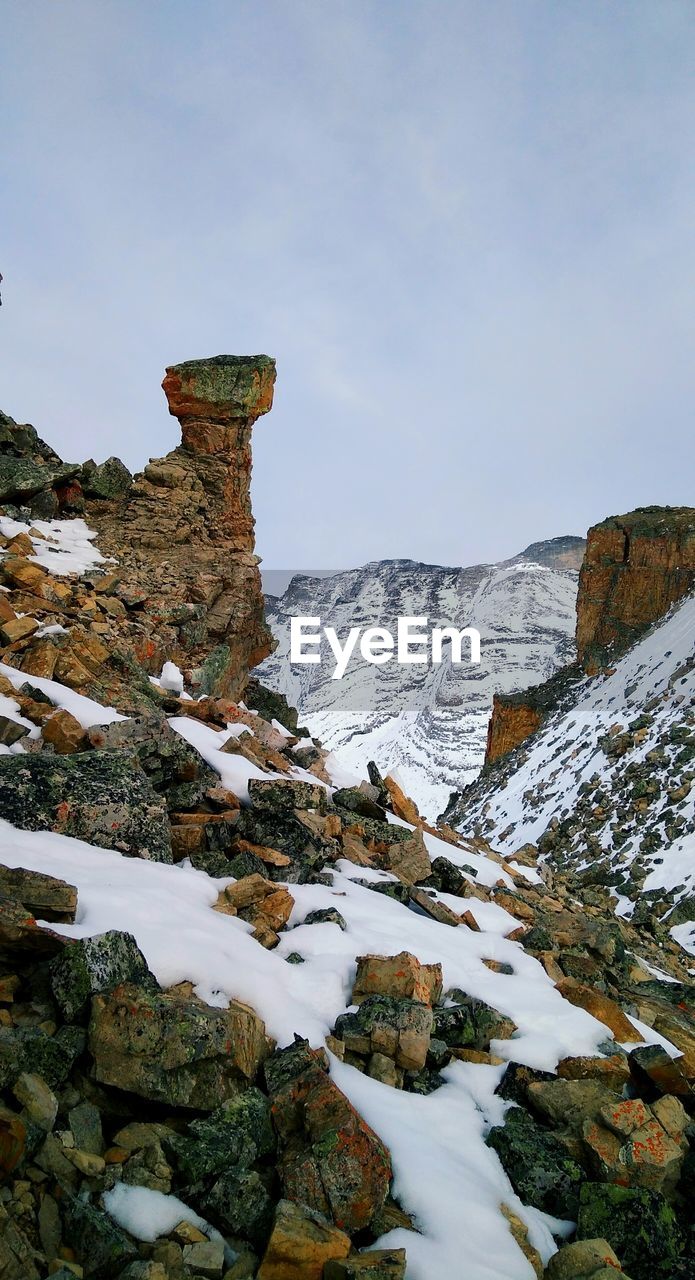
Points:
[635,567]
[180,581]
[185,529]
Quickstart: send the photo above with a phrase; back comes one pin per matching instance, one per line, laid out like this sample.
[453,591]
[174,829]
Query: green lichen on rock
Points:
[221,387]
[102,797]
[538,1165]
[639,1224]
[94,965]
[237,1133]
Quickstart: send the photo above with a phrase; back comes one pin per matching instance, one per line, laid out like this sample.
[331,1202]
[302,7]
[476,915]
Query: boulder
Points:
[109,480]
[402,976]
[44,896]
[537,1164]
[171,1047]
[238,1133]
[101,797]
[640,1225]
[92,966]
[301,1244]
[397,1028]
[64,733]
[330,1159]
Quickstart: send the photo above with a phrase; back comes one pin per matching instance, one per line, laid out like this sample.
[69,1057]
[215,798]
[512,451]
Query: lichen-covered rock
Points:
[95,965]
[240,1132]
[173,767]
[581,1260]
[102,797]
[537,1164]
[110,479]
[240,1204]
[399,1029]
[640,1225]
[101,1247]
[329,1157]
[171,1047]
[30,1049]
[45,896]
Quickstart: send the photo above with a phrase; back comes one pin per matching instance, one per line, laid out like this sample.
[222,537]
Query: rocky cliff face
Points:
[179,579]
[636,566]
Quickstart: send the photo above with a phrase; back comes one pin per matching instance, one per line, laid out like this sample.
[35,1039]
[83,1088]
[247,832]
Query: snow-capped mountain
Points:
[428,722]
[607,786]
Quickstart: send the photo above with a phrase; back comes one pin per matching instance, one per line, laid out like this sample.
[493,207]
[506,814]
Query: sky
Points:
[464,228]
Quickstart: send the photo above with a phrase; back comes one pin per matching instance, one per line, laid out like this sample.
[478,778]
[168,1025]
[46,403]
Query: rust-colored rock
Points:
[402,976]
[635,567]
[513,720]
[601,1007]
[301,1244]
[330,1159]
[65,733]
[183,533]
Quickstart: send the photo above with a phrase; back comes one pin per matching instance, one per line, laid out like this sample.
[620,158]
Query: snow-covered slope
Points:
[427,722]
[609,782]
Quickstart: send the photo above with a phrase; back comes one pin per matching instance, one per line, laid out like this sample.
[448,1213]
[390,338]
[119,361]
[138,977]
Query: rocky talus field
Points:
[258,1018]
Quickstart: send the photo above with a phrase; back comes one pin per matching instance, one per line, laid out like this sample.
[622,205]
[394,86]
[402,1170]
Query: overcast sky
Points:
[464,228]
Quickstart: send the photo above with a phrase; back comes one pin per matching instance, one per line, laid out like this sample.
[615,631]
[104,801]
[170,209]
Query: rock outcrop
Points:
[184,530]
[636,566]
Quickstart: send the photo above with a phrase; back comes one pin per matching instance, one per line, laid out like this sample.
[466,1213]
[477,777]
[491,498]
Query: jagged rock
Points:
[173,767]
[402,976]
[398,1028]
[629,1144]
[471,1023]
[184,530]
[639,1225]
[653,1068]
[568,1103]
[327,915]
[240,1204]
[286,794]
[612,1071]
[377,1264]
[110,479]
[13,1142]
[301,1244]
[100,797]
[329,1157]
[10,731]
[171,1047]
[45,896]
[537,1164]
[237,1133]
[92,966]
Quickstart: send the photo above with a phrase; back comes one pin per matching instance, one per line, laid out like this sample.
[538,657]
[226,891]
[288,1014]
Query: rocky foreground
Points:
[257,1018]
